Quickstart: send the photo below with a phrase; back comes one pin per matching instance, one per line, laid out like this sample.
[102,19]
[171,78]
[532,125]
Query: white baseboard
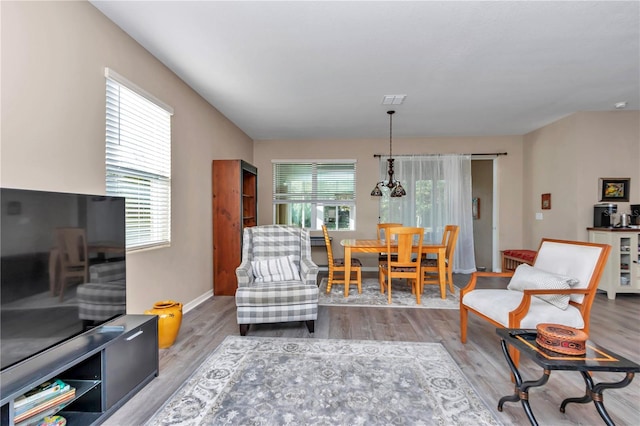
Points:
[198,300]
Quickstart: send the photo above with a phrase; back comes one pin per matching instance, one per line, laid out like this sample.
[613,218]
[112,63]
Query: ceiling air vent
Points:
[393,99]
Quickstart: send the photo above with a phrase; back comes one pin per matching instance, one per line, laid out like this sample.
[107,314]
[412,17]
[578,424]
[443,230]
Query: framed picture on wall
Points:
[614,189]
[546,201]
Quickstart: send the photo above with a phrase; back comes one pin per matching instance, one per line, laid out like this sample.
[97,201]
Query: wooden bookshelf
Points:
[234,185]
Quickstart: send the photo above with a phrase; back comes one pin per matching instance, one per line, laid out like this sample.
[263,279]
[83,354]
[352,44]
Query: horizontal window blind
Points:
[328,183]
[138,162]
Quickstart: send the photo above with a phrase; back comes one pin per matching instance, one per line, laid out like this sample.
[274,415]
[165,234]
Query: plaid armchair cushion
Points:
[275,269]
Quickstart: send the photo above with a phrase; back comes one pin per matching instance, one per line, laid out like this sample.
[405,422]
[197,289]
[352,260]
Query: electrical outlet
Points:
[539,216]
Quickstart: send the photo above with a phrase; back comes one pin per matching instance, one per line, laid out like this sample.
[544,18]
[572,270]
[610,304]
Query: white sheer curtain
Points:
[438,194]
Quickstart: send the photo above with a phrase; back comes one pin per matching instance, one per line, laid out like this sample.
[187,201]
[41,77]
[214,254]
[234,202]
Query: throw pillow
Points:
[275,269]
[528,278]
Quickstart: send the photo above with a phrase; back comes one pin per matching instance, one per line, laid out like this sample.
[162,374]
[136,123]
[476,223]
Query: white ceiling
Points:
[319,69]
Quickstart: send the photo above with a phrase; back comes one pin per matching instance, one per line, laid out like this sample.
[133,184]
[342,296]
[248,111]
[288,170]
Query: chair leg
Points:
[389,289]
[515,355]
[329,281]
[311,325]
[243,329]
[450,277]
[359,278]
[464,314]
[443,289]
[381,280]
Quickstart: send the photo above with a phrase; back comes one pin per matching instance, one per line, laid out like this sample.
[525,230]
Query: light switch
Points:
[538,216]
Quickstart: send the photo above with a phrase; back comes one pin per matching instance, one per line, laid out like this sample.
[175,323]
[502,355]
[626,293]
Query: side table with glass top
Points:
[596,358]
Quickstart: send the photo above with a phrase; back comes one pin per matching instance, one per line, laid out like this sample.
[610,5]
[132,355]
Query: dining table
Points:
[380,245]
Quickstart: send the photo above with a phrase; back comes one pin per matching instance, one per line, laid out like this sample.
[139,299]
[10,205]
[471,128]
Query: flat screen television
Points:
[33,315]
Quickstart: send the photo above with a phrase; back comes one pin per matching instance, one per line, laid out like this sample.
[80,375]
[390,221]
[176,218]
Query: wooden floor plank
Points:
[614,324]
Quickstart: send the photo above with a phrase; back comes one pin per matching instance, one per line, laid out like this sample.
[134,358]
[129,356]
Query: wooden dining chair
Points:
[403,259]
[430,272]
[336,267]
[382,232]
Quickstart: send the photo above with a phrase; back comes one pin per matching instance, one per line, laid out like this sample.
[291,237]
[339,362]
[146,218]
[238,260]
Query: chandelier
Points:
[394,185]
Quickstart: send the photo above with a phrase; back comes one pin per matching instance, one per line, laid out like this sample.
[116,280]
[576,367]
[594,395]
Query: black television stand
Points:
[107,365]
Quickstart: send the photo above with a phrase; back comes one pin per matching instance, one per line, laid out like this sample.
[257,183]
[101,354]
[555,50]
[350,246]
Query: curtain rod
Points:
[497,154]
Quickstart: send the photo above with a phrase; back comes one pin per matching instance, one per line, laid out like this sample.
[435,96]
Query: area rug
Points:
[401,296]
[286,381]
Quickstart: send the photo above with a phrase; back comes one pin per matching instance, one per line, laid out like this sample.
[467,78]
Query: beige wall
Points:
[53,126]
[509,176]
[566,159]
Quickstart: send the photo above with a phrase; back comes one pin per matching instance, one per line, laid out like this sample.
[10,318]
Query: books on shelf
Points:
[39,392]
[45,399]
[45,419]
[50,406]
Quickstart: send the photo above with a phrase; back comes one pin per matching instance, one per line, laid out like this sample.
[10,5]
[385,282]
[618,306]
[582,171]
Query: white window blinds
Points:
[316,193]
[138,160]
[323,182]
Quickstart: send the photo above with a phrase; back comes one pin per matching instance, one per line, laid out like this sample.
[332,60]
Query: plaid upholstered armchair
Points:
[277,278]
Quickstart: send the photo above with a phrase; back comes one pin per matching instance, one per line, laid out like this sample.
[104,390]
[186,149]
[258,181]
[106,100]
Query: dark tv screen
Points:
[33,314]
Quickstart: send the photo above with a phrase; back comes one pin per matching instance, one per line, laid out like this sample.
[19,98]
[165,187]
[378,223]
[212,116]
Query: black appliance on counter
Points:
[635,214]
[603,215]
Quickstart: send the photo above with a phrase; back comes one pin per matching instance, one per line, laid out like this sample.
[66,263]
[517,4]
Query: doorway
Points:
[482,190]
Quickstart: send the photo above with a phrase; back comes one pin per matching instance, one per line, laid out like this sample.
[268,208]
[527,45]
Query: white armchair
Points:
[559,288]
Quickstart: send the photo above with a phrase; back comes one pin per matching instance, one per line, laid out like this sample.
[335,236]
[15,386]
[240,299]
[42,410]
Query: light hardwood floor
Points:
[615,324]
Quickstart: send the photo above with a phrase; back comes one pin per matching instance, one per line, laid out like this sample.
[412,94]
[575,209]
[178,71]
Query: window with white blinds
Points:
[310,194]
[138,160]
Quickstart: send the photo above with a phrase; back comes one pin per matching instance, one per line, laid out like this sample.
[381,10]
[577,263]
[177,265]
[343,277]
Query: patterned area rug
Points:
[278,381]
[401,296]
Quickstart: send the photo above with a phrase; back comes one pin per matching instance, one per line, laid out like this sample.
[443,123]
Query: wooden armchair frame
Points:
[518,314]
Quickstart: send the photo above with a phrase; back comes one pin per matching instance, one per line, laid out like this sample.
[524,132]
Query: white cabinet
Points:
[622,273]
